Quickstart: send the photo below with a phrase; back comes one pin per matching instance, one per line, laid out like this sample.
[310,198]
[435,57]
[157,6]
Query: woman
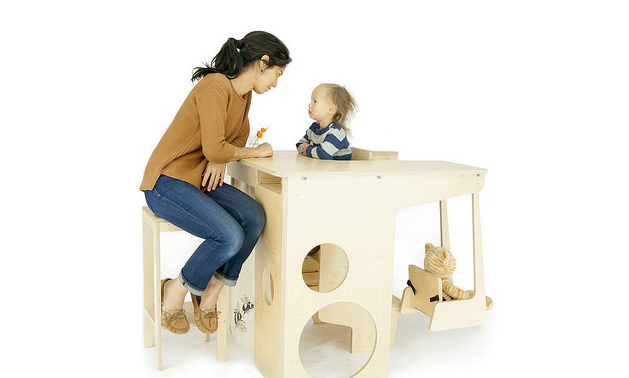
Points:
[183,180]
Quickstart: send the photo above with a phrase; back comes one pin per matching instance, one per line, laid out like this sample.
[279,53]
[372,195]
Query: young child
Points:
[330,107]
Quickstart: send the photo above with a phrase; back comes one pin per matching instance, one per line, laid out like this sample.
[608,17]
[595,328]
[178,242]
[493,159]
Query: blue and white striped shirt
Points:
[328,143]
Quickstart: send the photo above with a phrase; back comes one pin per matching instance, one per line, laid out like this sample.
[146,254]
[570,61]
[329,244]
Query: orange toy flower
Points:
[256,139]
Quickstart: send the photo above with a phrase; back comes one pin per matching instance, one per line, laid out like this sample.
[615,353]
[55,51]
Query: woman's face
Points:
[267,79]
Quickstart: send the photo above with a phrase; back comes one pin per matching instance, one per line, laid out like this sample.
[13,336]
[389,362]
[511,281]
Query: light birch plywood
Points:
[334,268]
[364,285]
[456,313]
[242,295]
[358,215]
[152,227]
[362,154]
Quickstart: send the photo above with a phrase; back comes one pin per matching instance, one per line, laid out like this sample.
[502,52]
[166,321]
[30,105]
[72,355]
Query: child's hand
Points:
[305,147]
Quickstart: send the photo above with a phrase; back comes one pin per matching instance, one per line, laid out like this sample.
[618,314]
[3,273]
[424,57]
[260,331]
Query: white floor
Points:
[325,352]
[525,336]
[496,349]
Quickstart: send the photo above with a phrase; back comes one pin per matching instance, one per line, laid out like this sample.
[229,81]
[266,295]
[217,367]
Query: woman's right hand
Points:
[264,150]
[213,176]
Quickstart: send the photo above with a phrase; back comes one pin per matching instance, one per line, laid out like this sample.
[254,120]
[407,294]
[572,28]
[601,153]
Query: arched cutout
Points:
[324,347]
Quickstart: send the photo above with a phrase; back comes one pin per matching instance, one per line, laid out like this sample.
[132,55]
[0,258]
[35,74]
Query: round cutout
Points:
[325,349]
[325,267]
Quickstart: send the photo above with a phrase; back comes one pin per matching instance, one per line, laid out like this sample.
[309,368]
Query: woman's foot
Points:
[210,296]
[173,294]
[173,318]
[205,312]
[206,318]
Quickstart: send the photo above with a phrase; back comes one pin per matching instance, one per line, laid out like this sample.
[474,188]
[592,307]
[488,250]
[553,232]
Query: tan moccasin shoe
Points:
[206,318]
[174,320]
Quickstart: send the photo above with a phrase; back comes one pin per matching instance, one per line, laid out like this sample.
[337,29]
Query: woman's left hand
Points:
[213,175]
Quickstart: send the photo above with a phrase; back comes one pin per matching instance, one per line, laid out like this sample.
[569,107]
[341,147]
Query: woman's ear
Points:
[264,62]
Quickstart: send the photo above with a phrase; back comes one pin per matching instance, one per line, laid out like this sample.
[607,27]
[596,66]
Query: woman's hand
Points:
[264,150]
[213,175]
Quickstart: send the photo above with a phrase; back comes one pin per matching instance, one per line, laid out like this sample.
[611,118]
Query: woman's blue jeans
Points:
[229,220]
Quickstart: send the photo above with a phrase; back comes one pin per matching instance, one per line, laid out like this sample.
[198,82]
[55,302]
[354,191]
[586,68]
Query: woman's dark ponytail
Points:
[235,55]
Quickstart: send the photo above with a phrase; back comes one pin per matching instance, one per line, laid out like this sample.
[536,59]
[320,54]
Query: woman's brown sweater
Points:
[212,121]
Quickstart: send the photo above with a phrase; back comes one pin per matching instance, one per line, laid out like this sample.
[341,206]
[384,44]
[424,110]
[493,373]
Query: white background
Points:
[537,92]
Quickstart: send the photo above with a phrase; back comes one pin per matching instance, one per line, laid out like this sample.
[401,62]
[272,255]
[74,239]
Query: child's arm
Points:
[304,149]
[335,146]
[304,141]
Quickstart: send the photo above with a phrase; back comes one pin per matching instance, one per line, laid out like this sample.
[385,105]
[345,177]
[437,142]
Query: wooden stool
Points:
[152,226]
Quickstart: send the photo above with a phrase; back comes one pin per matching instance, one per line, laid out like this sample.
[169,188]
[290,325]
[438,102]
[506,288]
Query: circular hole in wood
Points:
[325,267]
[325,347]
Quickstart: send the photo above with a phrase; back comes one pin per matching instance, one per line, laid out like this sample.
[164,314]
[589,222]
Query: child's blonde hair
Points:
[345,105]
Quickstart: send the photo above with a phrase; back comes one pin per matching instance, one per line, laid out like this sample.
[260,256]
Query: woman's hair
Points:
[345,105]
[238,54]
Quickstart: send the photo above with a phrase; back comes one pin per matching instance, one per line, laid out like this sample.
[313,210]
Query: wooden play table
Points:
[348,204]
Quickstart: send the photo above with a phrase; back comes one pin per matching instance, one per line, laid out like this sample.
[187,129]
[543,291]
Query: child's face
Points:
[321,108]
